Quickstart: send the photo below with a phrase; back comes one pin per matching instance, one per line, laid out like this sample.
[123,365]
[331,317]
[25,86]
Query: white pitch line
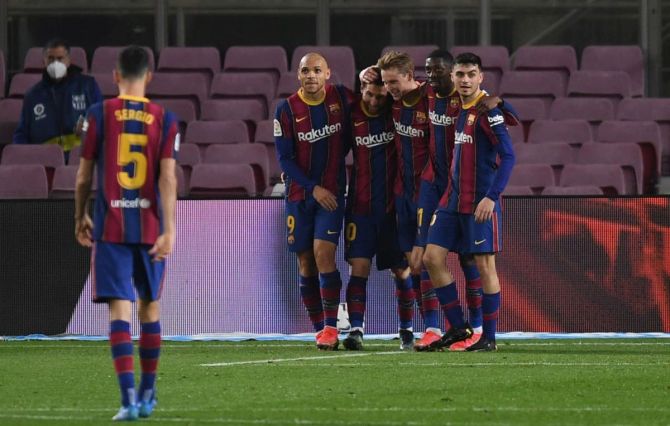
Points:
[302,358]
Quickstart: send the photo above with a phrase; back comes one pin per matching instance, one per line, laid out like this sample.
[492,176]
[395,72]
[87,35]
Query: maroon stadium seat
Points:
[191,87]
[64,183]
[265,135]
[629,59]
[105,57]
[608,177]
[105,81]
[517,134]
[544,85]
[518,190]
[645,109]
[288,84]
[646,134]
[253,154]
[613,85]
[536,176]
[10,112]
[201,60]
[48,156]
[183,108]
[217,132]
[249,110]
[495,62]
[340,60]
[572,190]
[239,85]
[418,53]
[75,155]
[270,59]
[554,154]
[189,156]
[222,180]
[529,110]
[593,110]
[628,156]
[21,83]
[546,58]
[34,60]
[23,181]
[574,132]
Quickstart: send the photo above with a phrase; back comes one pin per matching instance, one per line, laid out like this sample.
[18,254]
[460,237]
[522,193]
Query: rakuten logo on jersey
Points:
[124,203]
[318,134]
[409,131]
[374,140]
[441,119]
[461,137]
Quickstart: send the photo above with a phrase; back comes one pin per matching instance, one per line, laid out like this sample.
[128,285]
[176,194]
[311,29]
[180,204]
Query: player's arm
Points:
[83,227]
[493,125]
[490,102]
[167,185]
[283,133]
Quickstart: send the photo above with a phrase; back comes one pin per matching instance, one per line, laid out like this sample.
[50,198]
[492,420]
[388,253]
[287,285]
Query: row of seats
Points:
[581,179]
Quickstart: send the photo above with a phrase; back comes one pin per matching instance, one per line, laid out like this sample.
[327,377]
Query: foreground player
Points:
[312,133]
[133,143]
[370,218]
[469,216]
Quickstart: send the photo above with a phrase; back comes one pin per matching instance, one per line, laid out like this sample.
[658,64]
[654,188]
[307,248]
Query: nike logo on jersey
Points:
[299,119]
[331,232]
[359,123]
[479,242]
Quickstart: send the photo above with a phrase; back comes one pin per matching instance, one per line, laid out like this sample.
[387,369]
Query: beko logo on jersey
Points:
[496,119]
[318,134]
[409,131]
[461,137]
[374,140]
[125,203]
[440,119]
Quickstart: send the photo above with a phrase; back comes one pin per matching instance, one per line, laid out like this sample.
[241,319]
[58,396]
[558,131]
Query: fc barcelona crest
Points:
[420,117]
[454,102]
[334,108]
[471,119]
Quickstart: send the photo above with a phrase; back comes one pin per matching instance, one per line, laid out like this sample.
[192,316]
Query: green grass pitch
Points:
[527,382]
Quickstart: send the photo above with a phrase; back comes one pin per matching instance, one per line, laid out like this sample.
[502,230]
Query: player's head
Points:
[397,70]
[374,94]
[467,74]
[132,66]
[313,72]
[438,69]
[56,55]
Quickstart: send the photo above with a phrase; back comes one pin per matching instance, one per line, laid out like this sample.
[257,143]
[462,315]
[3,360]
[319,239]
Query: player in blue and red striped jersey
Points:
[312,134]
[133,144]
[443,107]
[469,217]
[370,217]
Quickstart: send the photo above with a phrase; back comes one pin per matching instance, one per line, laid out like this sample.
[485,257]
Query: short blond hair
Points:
[399,60]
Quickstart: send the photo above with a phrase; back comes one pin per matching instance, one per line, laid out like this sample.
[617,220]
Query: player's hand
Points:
[162,247]
[325,198]
[368,75]
[78,128]
[83,231]
[488,103]
[484,210]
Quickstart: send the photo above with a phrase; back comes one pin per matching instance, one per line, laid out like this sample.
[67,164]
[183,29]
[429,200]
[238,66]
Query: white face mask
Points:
[56,70]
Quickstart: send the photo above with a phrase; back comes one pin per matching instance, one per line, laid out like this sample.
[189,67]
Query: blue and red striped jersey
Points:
[373,175]
[127,137]
[442,112]
[480,140]
[312,139]
[410,120]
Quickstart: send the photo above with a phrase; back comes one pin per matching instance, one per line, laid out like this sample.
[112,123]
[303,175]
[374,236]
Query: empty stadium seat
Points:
[613,85]
[105,57]
[495,62]
[574,132]
[562,59]
[47,156]
[202,60]
[518,190]
[628,156]
[593,110]
[340,60]
[10,112]
[535,176]
[75,155]
[517,134]
[108,87]
[288,84]
[645,109]
[244,85]
[253,154]
[572,190]
[607,177]
[192,87]
[21,83]
[646,134]
[222,180]
[544,85]
[265,135]
[183,108]
[217,132]
[271,59]
[249,110]
[555,154]
[529,109]
[629,59]
[34,59]
[189,156]
[64,182]
[23,181]
[418,53]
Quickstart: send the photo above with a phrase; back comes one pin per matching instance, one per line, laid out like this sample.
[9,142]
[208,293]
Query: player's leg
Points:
[112,283]
[405,299]
[473,285]
[149,278]
[406,225]
[327,228]
[300,239]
